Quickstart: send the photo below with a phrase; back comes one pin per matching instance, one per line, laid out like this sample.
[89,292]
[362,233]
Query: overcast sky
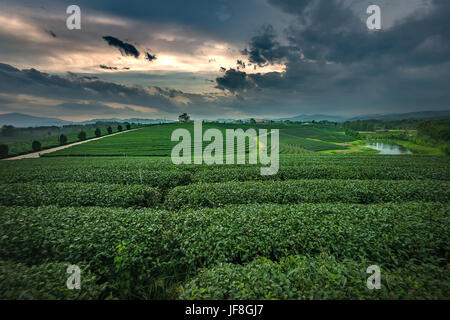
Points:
[223,58]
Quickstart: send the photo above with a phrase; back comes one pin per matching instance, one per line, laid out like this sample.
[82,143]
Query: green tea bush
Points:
[322,171]
[391,234]
[146,253]
[78,194]
[162,179]
[126,248]
[163,174]
[310,191]
[315,278]
[46,282]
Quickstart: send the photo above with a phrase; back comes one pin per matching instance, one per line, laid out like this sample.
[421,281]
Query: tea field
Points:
[143,228]
[155,140]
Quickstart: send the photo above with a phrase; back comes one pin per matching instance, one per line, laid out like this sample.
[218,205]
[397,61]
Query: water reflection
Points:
[388,148]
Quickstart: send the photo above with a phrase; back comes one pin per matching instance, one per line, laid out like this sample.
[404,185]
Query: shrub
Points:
[82,136]
[158,177]
[98,132]
[78,194]
[62,139]
[148,249]
[163,174]
[36,146]
[46,281]
[307,191]
[4,150]
[314,277]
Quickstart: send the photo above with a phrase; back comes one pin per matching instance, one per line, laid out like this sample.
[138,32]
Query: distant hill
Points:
[229,120]
[20,120]
[422,115]
[131,120]
[315,117]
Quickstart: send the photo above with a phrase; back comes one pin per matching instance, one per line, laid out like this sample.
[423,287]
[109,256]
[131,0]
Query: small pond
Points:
[388,148]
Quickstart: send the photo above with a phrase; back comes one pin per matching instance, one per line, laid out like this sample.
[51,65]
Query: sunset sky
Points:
[223,59]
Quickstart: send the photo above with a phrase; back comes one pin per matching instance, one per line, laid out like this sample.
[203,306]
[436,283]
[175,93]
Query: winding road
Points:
[34,155]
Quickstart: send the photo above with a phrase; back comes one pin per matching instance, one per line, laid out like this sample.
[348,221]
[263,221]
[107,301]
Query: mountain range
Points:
[20,120]
[421,115]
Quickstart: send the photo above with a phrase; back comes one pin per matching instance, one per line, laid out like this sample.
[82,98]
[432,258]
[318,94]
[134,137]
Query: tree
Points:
[4,151]
[82,136]
[119,128]
[36,146]
[8,130]
[128,126]
[252,121]
[184,117]
[62,139]
[98,132]
[109,129]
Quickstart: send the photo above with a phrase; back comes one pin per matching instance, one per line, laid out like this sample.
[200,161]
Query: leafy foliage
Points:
[163,174]
[82,136]
[314,277]
[309,191]
[147,253]
[45,281]
[36,146]
[224,232]
[98,132]
[62,139]
[4,150]
[78,194]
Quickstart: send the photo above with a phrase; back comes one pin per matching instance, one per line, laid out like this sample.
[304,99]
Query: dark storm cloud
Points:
[265,49]
[91,109]
[330,31]
[218,18]
[52,33]
[240,64]
[90,96]
[102,66]
[150,57]
[331,61]
[36,83]
[335,63]
[234,81]
[5,101]
[74,75]
[125,48]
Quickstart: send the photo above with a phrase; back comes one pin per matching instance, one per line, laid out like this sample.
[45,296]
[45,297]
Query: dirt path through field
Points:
[34,155]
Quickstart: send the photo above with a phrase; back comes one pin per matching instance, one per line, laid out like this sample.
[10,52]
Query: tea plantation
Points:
[143,228]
